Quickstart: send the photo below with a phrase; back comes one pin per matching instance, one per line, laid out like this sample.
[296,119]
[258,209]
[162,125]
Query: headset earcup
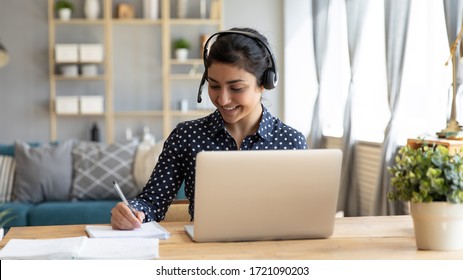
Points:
[269,81]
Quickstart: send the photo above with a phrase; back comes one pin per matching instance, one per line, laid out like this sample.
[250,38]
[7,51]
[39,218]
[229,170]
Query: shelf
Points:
[80,115]
[155,113]
[79,78]
[79,22]
[137,21]
[157,85]
[79,63]
[195,21]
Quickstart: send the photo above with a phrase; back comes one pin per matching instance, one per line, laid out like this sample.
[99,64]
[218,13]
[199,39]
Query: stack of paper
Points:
[81,248]
[148,230]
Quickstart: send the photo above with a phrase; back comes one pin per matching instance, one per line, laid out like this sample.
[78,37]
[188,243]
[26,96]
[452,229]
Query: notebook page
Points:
[151,229]
[42,249]
[120,248]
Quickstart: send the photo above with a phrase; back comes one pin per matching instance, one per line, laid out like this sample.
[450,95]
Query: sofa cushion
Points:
[7,171]
[97,165]
[145,159]
[71,212]
[43,173]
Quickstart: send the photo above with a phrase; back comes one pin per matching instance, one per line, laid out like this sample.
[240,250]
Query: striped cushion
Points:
[96,166]
[7,170]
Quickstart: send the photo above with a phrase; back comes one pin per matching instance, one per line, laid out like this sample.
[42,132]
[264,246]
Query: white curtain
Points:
[320,13]
[348,194]
[396,22]
[453,19]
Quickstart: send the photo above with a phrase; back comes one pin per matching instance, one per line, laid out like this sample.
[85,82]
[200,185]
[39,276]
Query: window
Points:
[425,82]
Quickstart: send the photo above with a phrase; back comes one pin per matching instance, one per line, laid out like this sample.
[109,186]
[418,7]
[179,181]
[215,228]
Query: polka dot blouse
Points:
[177,160]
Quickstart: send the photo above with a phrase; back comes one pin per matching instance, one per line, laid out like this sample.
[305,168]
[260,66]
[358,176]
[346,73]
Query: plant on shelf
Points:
[64,9]
[181,43]
[431,179]
[181,47]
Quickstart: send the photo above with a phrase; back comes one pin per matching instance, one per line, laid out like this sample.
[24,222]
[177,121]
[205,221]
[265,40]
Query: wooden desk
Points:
[383,237]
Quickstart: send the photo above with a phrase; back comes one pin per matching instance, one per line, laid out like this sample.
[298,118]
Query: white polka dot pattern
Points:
[177,160]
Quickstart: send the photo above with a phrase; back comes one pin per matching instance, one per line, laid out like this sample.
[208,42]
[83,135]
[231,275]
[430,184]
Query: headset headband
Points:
[270,77]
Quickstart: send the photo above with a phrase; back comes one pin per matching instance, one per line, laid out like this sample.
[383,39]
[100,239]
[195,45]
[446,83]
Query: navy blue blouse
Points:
[177,160]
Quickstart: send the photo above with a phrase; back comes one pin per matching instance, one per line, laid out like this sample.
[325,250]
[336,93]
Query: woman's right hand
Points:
[122,217]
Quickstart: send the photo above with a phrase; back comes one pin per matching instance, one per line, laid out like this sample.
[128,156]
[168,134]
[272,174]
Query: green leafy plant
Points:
[5,217]
[181,44]
[426,174]
[62,4]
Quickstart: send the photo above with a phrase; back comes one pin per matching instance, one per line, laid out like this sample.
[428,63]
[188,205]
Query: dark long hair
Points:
[241,51]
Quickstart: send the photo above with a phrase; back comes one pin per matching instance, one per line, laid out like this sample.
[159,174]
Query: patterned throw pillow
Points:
[97,165]
[7,170]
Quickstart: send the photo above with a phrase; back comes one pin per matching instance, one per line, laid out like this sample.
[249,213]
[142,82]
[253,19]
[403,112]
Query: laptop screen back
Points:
[266,195]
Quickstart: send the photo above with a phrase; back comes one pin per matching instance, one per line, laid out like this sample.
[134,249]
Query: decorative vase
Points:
[181,8]
[151,9]
[181,54]
[64,13]
[438,225]
[92,9]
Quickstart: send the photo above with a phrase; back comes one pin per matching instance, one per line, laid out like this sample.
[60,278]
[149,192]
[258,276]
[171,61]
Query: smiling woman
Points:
[238,68]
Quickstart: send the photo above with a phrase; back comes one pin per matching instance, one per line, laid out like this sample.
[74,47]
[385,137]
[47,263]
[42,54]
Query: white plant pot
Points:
[438,225]
[64,14]
[181,54]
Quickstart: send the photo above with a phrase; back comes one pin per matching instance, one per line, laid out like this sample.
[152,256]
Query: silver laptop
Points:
[265,195]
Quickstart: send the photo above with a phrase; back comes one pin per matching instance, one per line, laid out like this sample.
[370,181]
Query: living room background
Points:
[24,82]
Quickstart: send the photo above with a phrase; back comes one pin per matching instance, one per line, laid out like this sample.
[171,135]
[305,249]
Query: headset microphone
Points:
[201,85]
[270,76]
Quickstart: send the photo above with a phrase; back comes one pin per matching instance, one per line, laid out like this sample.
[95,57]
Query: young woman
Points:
[238,67]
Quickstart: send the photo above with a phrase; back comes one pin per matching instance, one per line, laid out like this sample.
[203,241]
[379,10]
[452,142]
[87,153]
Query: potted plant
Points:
[5,217]
[181,47]
[64,9]
[431,179]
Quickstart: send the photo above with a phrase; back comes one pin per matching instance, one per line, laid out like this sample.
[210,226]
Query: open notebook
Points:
[148,230]
[81,247]
[265,195]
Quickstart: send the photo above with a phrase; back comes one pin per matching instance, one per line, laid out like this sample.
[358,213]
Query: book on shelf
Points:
[81,247]
[148,230]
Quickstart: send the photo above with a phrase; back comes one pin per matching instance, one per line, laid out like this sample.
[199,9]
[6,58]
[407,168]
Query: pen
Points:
[122,196]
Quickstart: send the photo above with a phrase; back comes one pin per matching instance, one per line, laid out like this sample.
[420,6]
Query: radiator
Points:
[368,157]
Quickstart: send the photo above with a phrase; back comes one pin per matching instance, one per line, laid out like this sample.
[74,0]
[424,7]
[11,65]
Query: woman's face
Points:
[235,93]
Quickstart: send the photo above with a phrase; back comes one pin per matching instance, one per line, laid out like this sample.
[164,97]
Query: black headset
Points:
[270,77]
